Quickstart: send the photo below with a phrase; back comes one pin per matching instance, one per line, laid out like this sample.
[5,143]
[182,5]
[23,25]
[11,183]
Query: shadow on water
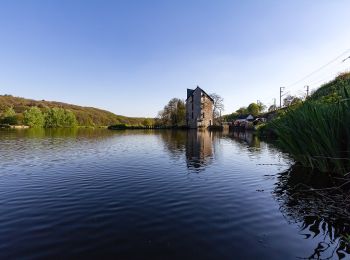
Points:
[320,205]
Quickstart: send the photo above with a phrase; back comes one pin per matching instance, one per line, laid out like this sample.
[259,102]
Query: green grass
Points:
[317,133]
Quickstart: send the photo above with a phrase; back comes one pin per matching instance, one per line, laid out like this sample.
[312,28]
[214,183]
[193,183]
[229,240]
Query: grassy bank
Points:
[317,132]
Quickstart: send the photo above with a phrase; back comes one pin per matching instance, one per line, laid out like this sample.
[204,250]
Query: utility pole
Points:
[281,91]
[307,91]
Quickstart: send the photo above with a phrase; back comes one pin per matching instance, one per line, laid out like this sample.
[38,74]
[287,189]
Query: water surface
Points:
[154,194]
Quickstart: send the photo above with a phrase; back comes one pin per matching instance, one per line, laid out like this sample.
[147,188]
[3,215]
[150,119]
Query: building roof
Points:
[191,91]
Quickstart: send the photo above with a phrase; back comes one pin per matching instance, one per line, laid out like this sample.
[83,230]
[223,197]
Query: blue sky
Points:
[131,57]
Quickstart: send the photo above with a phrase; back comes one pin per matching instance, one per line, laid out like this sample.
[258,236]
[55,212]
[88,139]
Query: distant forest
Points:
[85,116]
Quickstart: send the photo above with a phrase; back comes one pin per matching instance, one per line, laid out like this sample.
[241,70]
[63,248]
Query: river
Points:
[155,194]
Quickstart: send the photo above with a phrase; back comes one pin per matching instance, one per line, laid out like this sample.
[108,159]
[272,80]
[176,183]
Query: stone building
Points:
[199,108]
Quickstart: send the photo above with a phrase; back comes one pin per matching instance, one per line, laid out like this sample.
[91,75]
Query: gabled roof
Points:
[191,91]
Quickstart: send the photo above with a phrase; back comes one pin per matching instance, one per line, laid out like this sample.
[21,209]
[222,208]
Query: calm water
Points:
[155,195]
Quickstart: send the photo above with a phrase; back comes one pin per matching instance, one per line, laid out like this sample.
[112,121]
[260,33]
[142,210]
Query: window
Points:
[203,115]
[192,115]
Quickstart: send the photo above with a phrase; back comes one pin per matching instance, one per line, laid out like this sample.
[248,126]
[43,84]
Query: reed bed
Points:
[317,134]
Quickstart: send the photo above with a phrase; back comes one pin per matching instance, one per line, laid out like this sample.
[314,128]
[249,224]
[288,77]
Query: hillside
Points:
[332,88]
[86,116]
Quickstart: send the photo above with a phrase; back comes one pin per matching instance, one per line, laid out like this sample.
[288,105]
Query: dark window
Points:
[203,115]
[192,115]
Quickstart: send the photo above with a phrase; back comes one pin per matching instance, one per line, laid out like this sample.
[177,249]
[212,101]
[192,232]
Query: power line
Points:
[346,59]
[320,68]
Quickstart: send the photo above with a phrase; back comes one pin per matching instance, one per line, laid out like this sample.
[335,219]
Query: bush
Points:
[9,117]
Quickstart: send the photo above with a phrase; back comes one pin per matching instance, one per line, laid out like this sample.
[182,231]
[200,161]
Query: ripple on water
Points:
[138,194]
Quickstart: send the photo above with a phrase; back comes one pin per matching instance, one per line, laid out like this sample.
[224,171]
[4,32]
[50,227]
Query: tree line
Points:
[85,116]
[34,117]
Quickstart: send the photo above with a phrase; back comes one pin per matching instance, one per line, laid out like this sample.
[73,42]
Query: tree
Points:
[147,122]
[218,104]
[59,117]
[231,117]
[173,114]
[242,111]
[291,100]
[253,109]
[69,119]
[9,117]
[33,117]
[261,106]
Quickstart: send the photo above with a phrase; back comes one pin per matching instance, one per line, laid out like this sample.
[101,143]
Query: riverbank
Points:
[316,132]
[14,126]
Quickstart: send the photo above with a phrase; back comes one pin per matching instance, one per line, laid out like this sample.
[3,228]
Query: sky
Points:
[132,56]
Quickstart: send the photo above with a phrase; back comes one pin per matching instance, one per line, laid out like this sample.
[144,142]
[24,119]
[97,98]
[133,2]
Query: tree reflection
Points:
[320,207]
[247,138]
[199,149]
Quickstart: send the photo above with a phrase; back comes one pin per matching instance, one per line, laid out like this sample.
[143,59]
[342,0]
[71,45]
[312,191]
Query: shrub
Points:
[9,117]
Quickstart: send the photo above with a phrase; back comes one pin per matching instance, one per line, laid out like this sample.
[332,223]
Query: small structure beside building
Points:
[199,108]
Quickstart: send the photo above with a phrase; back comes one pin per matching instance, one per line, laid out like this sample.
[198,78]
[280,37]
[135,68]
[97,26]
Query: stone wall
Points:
[199,110]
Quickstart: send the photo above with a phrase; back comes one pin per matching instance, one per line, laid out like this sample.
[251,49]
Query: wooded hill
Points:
[86,116]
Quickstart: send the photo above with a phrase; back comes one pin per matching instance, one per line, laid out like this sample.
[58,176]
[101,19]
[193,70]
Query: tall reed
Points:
[317,134]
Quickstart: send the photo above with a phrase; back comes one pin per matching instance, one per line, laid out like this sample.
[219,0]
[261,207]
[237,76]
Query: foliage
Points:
[291,100]
[33,117]
[147,122]
[59,117]
[272,108]
[317,134]
[253,109]
[85,116]
[242,111]
[261,106]
[330,92]
[9,116]
[230,117]
[173,114]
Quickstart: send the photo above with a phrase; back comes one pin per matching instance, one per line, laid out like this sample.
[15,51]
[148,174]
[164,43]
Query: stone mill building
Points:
[199,108]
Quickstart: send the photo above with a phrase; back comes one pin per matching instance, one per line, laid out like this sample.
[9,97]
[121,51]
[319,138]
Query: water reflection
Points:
[174,141]
[321,211]
[199,149]
[40,133]
[247,138]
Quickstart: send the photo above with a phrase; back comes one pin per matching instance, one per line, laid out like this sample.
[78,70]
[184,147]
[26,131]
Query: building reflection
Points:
[199,149]
[247,138]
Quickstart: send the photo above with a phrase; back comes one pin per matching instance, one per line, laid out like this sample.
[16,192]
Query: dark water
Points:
[156,195]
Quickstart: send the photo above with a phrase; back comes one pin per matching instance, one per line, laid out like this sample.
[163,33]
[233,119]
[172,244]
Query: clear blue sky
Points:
[131,57]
